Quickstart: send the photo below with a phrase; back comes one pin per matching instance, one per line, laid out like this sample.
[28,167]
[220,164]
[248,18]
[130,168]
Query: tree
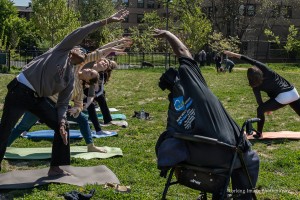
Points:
[218,43]
[190,23]
[248,19]
[292,44]
[141,35]
[7,9]
[12,27]
[54,20]
[93,10]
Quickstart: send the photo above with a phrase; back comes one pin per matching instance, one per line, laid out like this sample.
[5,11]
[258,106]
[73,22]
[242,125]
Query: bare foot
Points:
[56,171]
[93,148]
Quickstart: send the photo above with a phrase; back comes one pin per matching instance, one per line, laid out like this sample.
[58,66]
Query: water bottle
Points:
[142,114]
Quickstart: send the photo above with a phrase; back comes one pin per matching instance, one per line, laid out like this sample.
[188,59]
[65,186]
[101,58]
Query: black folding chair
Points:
[209,179]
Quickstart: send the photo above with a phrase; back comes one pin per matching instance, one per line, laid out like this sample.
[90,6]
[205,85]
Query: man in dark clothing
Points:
[194,109]
[229,64]
[280,91]
[46,75]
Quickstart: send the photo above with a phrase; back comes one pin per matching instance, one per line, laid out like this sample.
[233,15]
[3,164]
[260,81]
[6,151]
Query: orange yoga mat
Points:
[278,135]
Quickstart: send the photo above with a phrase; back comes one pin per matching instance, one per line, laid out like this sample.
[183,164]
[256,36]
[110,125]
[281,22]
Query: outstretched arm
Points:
[76,37]
[231,54]
[178,47]
[256,63]
[125,41]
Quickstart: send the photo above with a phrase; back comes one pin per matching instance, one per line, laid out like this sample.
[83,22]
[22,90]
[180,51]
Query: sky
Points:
[21,2]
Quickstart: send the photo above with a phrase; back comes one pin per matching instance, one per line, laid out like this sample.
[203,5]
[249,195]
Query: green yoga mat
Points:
[45,153]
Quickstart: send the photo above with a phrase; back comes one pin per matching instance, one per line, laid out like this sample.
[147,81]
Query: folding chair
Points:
[209,179]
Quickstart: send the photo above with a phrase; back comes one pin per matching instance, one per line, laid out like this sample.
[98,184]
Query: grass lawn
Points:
[133,90]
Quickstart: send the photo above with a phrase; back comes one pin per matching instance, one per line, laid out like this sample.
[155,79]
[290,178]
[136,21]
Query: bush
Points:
[4,68]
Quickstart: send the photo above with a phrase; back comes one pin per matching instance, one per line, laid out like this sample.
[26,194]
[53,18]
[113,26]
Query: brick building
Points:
[246,18]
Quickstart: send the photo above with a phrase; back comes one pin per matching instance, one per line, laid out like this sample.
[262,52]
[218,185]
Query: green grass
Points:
[133,90]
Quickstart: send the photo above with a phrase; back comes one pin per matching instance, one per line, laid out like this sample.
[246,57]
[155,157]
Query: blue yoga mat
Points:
[114,116]
[74,134]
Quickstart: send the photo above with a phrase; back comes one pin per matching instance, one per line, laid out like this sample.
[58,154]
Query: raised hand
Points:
[160,33]
[118,16]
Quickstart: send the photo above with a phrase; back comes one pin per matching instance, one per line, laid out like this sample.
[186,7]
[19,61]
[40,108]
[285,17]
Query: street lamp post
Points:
[167,28]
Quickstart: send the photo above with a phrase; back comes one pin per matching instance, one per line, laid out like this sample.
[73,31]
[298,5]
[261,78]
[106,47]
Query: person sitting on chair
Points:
[195,110]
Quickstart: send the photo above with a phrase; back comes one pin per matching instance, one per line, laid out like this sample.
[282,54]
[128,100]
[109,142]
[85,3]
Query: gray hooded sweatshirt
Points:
[52,72]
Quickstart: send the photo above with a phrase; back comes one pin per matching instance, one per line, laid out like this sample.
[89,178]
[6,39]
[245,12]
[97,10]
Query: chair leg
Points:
[167,185]
[247,173]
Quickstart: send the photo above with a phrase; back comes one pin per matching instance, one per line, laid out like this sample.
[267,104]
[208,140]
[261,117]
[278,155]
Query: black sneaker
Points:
[257,135]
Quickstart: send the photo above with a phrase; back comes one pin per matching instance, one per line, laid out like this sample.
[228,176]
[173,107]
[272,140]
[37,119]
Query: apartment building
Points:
[244,18]
[248,19]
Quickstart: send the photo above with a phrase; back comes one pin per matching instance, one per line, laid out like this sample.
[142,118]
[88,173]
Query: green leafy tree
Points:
[189,23]
[54,20]
[218,43]
[293,40]
[13,27]
[292,44]
[93,10]
[16,28]
[7,9]
[143,41]
[3,40]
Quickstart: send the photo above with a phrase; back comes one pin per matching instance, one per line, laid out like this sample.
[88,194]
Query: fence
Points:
[20,58]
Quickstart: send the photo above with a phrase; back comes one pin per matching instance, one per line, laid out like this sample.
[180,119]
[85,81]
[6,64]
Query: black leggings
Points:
[272,105]
[101,100]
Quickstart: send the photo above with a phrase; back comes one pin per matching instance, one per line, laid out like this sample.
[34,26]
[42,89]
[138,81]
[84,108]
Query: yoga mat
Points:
[278,135]
[114,116]
[45,153]
[120,123]
[81,176]
[74,134]
[110,110]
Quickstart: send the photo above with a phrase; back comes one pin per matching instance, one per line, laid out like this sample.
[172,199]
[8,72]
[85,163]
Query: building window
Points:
[247,10]
[244,46]
[126,32]
[140,3]
[140,18]
[126,19]
[275,46]
[209,11]
[284,11]
[250,10]
[126,3]
[151,4]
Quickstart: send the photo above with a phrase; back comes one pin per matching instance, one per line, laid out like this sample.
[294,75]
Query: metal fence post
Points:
[8,60]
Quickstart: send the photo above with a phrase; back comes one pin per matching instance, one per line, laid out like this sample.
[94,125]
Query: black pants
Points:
[272,105]
[104,110]
[20,99]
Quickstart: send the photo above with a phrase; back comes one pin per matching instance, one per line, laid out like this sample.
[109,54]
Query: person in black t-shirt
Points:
[280,91]
[194,109]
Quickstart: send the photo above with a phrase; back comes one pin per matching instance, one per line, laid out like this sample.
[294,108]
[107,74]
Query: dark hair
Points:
[107,73]
[92,81]
[255,76]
